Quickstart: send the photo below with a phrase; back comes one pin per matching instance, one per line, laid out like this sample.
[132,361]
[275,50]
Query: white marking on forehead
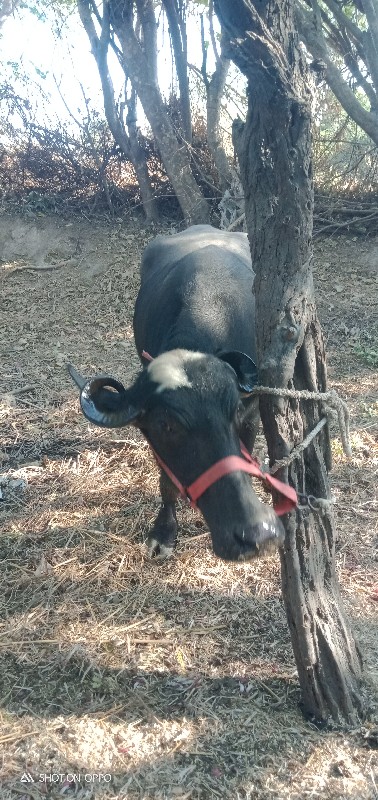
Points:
[168,370]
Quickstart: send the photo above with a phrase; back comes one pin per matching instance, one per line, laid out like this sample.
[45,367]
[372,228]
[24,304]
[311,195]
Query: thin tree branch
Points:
[371,38]
[204,55]
[211,30]
[316,44]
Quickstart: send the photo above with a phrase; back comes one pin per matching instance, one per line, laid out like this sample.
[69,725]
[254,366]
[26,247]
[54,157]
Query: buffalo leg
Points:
[163,535]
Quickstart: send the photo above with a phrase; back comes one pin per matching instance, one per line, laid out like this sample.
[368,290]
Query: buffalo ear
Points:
[245,368]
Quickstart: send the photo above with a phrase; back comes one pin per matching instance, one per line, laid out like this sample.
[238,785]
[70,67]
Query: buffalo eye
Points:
[239,413]
[166,426]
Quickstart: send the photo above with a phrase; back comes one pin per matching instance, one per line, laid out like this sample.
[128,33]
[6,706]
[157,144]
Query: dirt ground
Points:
[123,677]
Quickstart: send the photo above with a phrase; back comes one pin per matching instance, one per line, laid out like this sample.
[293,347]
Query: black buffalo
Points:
[194,316]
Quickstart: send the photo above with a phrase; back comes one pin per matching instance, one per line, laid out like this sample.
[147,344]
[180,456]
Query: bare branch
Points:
[211,30]
[371,37]
[316,44]
[346,23]
[7,7]
[204,55]
[177,30]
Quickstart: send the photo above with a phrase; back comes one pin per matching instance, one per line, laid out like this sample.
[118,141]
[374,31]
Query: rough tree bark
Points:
[129,145]
[175,12]
[214,92]
[274,151]
[136,64]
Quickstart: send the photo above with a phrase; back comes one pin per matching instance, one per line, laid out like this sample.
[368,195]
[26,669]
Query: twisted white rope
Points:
[332,406]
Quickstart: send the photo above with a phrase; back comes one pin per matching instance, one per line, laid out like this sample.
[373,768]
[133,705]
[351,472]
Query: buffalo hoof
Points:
[162,538]
[157,550]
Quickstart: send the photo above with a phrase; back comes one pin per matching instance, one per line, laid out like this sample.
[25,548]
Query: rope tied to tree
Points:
[284,462]
[332,406]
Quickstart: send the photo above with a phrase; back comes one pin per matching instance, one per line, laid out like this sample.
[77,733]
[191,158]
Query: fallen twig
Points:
[22,390]
[42,267]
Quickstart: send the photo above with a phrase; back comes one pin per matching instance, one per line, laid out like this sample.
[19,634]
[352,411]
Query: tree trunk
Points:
[214,93]
[138,159]
[177,30]
[274,151]
[128,145]
[174,154]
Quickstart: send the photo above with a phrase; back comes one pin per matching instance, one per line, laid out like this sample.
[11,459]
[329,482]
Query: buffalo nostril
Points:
[248,547]
[261,538]
[273,529]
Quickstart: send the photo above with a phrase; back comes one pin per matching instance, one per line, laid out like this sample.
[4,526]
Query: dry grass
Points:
[177,679]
